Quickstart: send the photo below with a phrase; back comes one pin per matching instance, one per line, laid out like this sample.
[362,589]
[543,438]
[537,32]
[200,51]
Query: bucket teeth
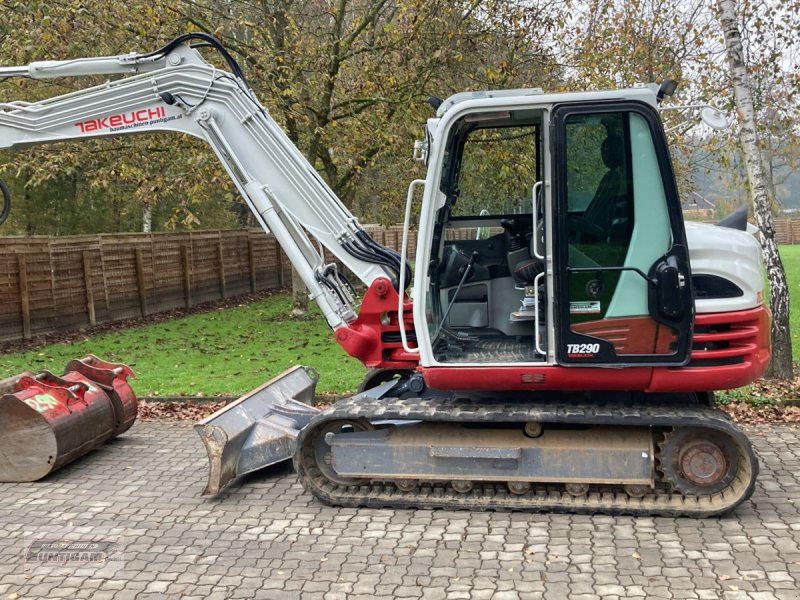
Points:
[259,429]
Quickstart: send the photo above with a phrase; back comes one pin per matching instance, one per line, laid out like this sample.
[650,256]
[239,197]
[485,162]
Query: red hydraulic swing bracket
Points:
[374,336]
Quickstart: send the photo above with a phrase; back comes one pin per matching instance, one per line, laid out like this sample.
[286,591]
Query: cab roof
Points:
[643,93]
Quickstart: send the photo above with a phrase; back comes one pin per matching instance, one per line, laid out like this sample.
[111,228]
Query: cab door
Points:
[622,278]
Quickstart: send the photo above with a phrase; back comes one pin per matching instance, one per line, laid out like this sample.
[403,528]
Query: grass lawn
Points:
[223,352]
[790,256]
[231,351]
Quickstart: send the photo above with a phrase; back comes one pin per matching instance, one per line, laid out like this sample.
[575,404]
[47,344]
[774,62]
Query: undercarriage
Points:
[672,457]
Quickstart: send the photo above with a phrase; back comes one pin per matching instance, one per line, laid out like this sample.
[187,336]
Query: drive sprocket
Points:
[698,461]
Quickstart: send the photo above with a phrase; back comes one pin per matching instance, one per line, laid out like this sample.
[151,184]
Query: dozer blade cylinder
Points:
[47,421]
[259,429]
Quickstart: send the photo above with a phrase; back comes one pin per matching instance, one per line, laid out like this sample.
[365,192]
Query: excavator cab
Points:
[485,286]
[559,239]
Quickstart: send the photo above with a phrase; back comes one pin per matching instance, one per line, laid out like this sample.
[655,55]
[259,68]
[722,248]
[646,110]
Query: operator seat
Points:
[525,271]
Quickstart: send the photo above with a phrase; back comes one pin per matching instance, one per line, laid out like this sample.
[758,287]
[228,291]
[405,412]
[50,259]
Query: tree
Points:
[348,79]
[619,43]
[781,366]
[124,181]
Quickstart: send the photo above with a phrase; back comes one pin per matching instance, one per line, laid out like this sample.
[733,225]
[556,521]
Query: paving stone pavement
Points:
[267,538]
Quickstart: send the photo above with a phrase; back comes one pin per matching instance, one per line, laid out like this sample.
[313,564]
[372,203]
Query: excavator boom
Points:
[174,89]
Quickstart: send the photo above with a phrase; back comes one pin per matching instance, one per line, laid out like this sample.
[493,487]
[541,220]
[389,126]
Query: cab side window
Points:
[599,188]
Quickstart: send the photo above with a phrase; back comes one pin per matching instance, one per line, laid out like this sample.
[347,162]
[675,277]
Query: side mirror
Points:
[669,283]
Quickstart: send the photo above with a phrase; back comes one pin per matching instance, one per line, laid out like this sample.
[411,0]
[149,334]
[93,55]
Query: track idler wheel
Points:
[322,449]
[698,462]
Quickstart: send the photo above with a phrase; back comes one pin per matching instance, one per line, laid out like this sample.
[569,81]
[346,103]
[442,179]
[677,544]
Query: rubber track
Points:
[544,498]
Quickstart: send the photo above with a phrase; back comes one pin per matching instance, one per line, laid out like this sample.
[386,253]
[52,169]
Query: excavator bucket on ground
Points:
[47,420]
[260,428]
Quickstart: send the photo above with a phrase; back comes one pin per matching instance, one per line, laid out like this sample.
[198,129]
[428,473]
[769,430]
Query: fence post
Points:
[103,270]
[221,263]
[87,282]
[25,301]
[251,254]
[140,283]
[187,276]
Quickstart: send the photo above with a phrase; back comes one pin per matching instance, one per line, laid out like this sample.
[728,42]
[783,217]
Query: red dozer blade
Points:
[47,420]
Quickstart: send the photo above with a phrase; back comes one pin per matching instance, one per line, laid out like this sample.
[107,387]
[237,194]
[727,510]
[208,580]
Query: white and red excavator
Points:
[559,341]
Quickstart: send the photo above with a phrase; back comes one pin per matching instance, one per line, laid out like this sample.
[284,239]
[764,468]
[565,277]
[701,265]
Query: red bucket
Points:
[47,421]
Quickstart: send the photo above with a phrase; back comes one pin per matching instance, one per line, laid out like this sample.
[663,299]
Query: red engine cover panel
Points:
[729,350]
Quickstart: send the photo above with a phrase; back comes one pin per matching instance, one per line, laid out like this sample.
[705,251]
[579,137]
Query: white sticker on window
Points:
[584,308]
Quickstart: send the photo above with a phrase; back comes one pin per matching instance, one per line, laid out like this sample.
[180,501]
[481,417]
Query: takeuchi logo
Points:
[136,116]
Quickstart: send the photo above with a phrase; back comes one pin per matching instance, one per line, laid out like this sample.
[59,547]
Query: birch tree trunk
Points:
[781,365]
[147,218]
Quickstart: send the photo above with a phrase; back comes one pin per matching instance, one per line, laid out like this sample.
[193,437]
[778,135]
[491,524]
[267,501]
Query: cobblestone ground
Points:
[268,539]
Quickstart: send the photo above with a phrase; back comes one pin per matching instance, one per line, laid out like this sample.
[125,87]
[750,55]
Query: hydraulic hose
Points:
[6,207]
[205,39]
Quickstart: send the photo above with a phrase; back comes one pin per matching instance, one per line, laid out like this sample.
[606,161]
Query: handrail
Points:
[536,336]
[535,206]
[402,275]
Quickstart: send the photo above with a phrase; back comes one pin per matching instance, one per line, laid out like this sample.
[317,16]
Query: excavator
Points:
[558,342]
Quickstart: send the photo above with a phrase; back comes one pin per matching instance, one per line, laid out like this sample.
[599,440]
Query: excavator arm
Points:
[176,89]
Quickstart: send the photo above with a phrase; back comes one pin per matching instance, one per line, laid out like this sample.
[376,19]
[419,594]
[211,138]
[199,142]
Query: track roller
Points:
[405,485]
[462,486]
[520,488]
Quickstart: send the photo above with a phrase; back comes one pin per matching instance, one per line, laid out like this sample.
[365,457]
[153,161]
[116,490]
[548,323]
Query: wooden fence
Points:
[52,284]
[787,231]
